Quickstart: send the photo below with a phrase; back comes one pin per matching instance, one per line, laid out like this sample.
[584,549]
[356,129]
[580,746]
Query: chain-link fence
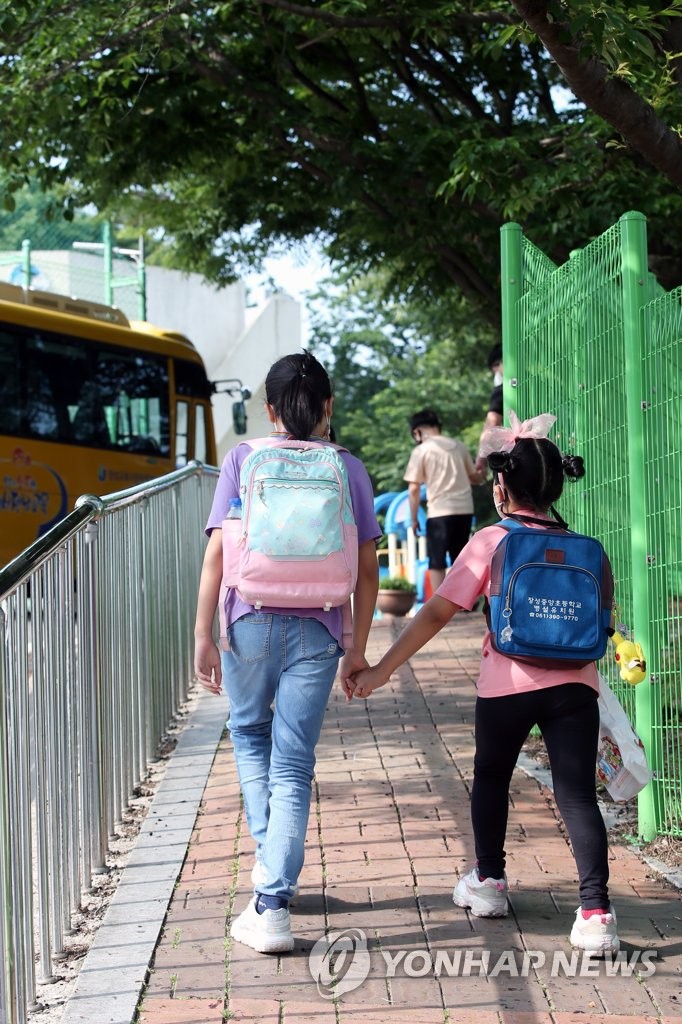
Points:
[94,271]
[597,342]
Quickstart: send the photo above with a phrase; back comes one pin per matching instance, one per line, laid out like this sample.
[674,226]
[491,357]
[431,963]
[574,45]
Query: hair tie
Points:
[503,439]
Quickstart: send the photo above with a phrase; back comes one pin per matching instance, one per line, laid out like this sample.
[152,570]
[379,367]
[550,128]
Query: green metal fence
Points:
[598,343]
[94,271]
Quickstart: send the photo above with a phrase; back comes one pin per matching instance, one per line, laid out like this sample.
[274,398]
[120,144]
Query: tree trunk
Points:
[611,98]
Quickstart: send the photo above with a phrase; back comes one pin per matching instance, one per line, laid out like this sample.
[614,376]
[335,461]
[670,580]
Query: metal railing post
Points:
[40,785]
[21,822]
[77,701]
[635,293]
[93,681]
[9,1008]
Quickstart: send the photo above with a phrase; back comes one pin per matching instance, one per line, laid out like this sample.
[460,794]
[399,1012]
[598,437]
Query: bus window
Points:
[86,406]
[200,434]
[62,389]
[132,391]
[191,379]
[181,433]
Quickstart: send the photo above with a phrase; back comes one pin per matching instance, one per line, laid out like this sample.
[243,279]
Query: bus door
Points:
[193,432]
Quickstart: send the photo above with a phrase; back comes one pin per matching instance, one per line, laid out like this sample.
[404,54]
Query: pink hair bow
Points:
[503,439]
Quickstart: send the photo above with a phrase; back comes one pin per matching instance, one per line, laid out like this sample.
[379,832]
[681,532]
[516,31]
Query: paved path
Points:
[389,832]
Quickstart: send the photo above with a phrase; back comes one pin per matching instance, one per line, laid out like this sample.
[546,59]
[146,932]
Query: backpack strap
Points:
[346,624]
[520,519]
[257,443]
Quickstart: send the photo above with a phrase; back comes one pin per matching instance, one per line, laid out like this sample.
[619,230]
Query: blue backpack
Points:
[551,594]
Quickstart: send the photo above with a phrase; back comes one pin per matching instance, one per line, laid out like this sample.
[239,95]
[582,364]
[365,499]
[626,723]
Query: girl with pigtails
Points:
[513,696]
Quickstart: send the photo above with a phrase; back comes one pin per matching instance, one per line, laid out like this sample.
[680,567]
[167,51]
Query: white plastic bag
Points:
[621,761]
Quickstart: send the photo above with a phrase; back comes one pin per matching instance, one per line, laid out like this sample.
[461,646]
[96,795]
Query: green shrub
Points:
[396,583]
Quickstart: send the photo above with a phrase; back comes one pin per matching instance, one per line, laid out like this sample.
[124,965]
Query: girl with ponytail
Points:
[279,664]
[513,696]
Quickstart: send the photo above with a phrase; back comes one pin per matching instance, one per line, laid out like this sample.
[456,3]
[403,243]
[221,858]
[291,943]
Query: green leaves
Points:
[390,357]
[402,133]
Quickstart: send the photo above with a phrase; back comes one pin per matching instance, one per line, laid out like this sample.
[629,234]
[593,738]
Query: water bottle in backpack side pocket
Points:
[232,528]
[234,510]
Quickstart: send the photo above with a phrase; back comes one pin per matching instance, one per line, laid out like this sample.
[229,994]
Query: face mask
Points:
[497,378]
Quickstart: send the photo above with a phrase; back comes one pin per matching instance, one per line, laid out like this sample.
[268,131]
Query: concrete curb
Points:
[114,971]
[544,777]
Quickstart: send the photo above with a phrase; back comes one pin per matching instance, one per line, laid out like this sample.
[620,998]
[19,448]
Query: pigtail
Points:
[573,466]
[501,462]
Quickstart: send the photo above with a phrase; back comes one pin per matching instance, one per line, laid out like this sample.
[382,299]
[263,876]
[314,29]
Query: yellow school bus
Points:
[89,403]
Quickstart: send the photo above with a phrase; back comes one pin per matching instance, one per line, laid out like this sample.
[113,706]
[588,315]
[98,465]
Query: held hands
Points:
[351,663]
[365,681]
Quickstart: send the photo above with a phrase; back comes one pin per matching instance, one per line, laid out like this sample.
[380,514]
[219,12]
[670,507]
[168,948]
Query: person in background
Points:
[281,662]
[512,696]
[445,466]
[495,408]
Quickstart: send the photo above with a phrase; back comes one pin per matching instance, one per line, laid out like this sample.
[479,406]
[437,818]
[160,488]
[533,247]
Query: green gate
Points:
[598,343]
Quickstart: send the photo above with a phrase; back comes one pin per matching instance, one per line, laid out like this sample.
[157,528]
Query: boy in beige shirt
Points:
[445,466]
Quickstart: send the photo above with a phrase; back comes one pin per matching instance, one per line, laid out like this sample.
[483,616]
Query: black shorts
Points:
[446,535]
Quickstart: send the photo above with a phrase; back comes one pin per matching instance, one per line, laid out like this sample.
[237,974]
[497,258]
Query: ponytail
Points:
[297,387]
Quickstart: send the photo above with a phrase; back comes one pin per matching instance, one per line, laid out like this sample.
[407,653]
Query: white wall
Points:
[212,318]
[230,344]
[275,332]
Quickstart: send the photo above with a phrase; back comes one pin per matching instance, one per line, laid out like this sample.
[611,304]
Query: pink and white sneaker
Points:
[597,933]
[487,898]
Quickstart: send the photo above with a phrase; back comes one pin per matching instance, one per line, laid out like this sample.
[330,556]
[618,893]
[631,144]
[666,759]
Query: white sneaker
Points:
[597,934]
[485,899]
[259,876]
[269,932]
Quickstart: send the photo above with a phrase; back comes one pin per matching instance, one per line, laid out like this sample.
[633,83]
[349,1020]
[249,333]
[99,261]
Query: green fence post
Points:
[26,263]
[108,263]
[511,254]
[141,279]
[635,294]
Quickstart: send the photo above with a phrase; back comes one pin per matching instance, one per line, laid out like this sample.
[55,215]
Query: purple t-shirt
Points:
[362,499]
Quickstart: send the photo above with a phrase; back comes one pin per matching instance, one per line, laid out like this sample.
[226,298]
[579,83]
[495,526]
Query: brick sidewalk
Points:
[389,832]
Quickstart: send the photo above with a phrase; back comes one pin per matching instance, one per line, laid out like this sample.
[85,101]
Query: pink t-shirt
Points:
[469,579]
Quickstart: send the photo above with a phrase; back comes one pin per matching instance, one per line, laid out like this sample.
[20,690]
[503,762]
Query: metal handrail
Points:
[95,659]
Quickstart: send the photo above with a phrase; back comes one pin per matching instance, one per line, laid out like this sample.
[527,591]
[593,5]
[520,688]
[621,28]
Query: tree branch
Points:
[426,62]
[386,21]
[337,20]
[611,98]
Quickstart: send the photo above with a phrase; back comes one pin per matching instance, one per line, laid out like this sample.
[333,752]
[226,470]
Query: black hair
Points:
[297,387]
[425,418]
[534,472]
[494,356]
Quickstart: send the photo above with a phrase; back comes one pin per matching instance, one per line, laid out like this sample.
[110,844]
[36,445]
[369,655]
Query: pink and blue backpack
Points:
[296,545]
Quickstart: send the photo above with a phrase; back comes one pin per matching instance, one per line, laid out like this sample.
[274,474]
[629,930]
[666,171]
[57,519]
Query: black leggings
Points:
[568,717]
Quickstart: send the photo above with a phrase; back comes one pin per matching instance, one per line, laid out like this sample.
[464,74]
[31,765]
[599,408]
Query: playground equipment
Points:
[406,553]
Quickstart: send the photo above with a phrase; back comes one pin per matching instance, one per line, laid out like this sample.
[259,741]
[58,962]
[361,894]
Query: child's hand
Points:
[367,680]
[351,663]
[207,666]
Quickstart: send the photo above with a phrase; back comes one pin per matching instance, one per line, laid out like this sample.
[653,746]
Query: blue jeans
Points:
[289,662]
